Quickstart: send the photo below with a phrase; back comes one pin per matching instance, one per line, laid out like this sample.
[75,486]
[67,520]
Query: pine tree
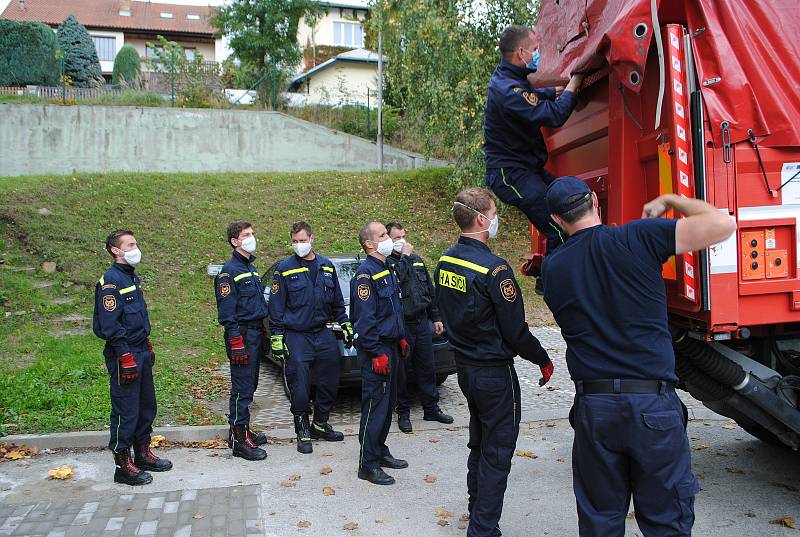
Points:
[80,57]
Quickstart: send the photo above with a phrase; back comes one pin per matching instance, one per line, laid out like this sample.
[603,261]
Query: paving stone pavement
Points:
[218,512]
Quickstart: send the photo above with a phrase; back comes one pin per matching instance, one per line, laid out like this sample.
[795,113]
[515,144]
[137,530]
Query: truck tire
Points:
[756,430]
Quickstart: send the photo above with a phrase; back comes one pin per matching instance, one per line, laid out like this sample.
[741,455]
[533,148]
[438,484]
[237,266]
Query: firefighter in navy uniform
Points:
[605,289]
[514,150]
[120,318]
[377,316]
[305,297]
[419,307]
[241,310]
[484,316]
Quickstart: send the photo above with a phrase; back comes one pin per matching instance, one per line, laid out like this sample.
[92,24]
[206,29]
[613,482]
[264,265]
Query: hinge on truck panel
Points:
[726,142]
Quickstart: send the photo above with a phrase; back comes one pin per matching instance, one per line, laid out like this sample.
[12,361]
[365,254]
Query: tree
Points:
[263,34]
[27,54]
[80,57]
[195,84]
[441,54]
[127,68]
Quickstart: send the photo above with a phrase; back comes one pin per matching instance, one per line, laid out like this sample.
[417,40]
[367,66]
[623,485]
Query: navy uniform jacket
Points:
[416,288]
[240,296]
[304,302]
[120,313]
[482,307]
[375,307]
[606,292]
[513,117]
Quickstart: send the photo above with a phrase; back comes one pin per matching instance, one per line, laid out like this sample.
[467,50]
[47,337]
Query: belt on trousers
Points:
[586,387]
[252,324]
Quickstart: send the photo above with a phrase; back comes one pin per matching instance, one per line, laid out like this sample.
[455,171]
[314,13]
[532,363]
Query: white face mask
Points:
[398,245]
[494,223]
[132,257]
[385,247]
[249,244]
[301,248]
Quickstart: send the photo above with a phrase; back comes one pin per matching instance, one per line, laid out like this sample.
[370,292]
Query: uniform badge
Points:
[109,303]
[363,291]
[275,287]
[224,289]
[499,269]
[531,97]
[362,277]
[508,289]
[517,90]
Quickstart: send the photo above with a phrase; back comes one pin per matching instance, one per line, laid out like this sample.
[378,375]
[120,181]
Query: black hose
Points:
[698,384]
[709,361]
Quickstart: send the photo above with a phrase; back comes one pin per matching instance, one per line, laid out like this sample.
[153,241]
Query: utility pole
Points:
[380,98]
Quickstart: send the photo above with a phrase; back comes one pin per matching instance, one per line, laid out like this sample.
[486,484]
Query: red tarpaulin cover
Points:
[752,47]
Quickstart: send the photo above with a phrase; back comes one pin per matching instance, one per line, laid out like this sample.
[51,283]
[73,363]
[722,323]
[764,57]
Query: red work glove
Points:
[238,352]
[127,369]
[547,372]
[403,347]
[380,365]
[152,353]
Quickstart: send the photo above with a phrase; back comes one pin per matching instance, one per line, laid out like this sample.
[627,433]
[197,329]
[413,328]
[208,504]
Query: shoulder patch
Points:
[109,286]
[363,291]
[224,289]
[275,287]
[508,289]
[223,275]
[530,97]
[517,89]
[499,269]
[109,303]
[362,276]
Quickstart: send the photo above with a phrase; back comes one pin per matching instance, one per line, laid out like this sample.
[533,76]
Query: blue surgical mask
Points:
[533,65]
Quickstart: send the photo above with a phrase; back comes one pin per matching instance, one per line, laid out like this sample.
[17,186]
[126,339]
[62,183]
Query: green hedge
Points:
[127,68]
[27,54]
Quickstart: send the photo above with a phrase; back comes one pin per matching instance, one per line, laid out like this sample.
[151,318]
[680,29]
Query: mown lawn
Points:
[53,380]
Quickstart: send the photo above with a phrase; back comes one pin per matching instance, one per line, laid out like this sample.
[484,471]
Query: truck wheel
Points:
[761,433]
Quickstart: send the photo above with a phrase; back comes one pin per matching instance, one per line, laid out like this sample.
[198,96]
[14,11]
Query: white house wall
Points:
[323,31]
[325,87]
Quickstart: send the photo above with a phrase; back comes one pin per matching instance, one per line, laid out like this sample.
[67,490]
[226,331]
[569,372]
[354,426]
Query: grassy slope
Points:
[59,383]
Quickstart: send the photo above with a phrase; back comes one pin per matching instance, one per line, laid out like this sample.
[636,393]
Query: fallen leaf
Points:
[464,517]
[526,453]
[157,440]
[730,425]
[350,526]
[541,424]
[23,463]
[294,477]
[442,513]
[303,524]
[62,472]
[553,388]
[734,471]
[14,455]
[328,491]
[700,447]
[442,522]
[349,431]
[213,455]
[693,438]
[288,484]
[198,516]
[433,440]
[325,470]
[327,454]
[787,522]
[559,460]
[462,525]
[380,521]
[430,478]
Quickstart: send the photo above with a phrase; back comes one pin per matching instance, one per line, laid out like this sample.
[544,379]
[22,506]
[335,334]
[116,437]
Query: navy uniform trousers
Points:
[244,378]
[493,396]
[133,406]
[420,356]
[320,350]
[525,190]
[378,397]
[632,444]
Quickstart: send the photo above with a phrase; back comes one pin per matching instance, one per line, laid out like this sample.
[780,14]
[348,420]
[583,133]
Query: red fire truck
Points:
[702,99]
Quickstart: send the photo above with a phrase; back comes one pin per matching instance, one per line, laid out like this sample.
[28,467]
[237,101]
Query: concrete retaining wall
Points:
[51,139]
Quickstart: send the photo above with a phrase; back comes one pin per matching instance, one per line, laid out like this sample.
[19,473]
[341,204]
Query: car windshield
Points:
[346,270]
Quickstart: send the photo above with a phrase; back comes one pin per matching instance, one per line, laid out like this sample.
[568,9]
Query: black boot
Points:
[404,423]
[436,414]
[243,446]
[146,460]
[303,434]
[127,473]
[257,437]
[375,475]
[321,429]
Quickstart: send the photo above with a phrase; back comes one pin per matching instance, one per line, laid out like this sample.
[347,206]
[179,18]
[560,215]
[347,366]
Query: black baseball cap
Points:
[566,193]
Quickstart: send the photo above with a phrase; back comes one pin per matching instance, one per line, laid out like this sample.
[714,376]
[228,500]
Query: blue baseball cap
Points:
[566,193]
